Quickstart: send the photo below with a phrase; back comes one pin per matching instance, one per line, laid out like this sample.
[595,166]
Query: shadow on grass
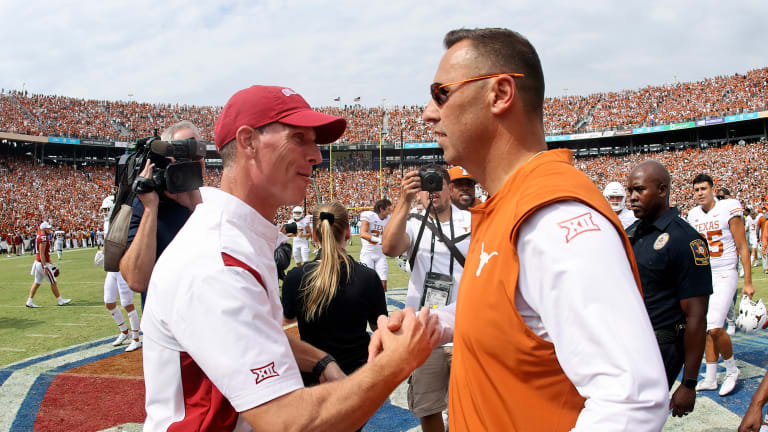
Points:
[18,323]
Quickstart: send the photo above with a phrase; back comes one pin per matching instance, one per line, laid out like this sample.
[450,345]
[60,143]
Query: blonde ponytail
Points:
[330,224]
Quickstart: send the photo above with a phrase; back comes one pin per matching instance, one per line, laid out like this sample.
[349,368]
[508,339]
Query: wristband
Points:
[690,383]
[375,239]
[317,371]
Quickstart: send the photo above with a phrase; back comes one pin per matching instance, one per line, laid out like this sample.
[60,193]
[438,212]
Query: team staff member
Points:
[673,262]
[564,347]
[435,275]
[462,188]
[237,368]
[156,220]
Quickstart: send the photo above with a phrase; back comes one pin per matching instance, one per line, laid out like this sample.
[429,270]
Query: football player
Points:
[115,286]
[720,222]
[42,268]
[58,242]
[371,230]
[616,195]
[303,233]
[750,223]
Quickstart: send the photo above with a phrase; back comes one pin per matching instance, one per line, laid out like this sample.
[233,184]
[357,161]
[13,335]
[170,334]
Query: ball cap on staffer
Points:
[258,105]
[458,173]
[45,225]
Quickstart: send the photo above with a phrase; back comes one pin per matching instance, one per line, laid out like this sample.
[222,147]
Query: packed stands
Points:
[36,114]
[69,198]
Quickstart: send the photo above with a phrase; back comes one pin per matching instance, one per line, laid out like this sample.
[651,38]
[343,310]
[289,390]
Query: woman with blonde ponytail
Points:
[334,297]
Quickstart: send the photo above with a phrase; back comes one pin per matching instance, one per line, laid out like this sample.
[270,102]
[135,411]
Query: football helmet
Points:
[54,269]
[108,203]
[752,315]
[615,189]
[298,212]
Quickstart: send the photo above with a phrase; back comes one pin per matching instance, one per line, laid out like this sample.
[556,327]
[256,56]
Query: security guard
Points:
[673,262]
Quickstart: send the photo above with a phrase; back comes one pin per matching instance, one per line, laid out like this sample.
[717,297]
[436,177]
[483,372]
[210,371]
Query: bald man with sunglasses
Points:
[551,332]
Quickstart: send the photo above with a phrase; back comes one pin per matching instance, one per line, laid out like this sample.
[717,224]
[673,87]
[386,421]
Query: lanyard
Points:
[432,247]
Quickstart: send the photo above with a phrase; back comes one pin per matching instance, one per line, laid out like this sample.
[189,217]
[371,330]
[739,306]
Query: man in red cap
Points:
[462,188]
[237,367]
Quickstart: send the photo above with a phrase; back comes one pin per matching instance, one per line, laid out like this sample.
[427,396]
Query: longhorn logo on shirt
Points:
[265,372]
[484,258]
[578,225]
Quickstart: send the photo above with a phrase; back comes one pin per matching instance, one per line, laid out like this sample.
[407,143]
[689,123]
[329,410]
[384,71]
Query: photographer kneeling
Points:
[156,219]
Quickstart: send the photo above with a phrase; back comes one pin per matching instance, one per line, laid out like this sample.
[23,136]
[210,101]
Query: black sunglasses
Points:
[440,94]
[720,197]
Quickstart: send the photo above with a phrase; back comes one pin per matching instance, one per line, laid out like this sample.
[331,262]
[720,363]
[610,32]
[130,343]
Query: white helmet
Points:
[298,212]
[615,189]
[752,315]
[108,203]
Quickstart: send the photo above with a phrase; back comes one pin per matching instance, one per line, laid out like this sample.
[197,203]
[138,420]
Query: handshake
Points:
[406,338]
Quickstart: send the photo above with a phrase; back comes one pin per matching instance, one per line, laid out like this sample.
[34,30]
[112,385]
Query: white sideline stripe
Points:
[71,324]
[40,335]
[12,349]
[17,385]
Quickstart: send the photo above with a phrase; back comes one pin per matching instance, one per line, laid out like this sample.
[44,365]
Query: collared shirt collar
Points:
[666,218]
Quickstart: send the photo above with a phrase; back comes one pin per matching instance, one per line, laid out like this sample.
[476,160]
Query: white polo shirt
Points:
[462,225]
[214,344]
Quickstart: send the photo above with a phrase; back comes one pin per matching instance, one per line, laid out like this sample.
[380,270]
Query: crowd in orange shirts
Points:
[37,114]
[69,198]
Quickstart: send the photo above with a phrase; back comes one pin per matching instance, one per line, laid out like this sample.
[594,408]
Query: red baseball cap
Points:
[258,105]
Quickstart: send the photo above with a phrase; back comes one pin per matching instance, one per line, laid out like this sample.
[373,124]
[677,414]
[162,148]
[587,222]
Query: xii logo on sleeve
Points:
[578,225]
[265,372]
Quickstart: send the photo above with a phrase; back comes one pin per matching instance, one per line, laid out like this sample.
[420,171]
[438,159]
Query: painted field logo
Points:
[265,372]
[578,225]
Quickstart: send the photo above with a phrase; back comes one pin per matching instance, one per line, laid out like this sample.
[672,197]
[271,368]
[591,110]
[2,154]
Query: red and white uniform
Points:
[38,270]
[714,226]
[214,344]
[371,254]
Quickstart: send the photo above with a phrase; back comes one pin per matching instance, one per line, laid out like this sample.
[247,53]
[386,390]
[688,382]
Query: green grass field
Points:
[26,333]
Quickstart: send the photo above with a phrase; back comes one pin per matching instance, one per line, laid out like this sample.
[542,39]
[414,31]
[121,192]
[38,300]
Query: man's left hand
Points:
[682,402]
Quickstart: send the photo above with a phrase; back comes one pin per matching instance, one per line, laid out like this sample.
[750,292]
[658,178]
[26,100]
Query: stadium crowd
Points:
[69,198]
[37,114]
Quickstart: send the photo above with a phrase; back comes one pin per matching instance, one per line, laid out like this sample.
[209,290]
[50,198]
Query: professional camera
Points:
[182,175]
[431,180]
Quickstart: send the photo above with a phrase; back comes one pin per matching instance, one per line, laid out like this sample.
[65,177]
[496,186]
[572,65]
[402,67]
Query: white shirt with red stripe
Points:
[714,226]
[214,344]
[42,238]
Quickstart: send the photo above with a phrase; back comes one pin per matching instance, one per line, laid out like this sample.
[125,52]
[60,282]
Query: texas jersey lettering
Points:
[714,227]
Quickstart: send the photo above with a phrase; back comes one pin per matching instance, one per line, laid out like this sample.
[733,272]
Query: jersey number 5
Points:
[715,246]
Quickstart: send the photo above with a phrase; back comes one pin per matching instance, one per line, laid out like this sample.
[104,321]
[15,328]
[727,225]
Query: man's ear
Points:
[246,138]
[503,94]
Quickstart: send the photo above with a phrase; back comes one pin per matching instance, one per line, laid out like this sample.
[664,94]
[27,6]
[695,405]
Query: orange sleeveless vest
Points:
[504,377]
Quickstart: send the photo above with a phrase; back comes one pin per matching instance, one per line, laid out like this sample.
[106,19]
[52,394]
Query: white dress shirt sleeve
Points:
[578,292]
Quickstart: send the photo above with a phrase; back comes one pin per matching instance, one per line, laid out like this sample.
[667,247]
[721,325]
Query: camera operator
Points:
[156,219]
[436,256]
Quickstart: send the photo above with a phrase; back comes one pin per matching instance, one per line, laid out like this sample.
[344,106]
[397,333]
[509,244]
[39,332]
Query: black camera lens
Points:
[431,180]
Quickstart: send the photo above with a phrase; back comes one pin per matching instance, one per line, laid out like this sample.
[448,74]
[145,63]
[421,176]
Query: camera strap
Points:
[450,243]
